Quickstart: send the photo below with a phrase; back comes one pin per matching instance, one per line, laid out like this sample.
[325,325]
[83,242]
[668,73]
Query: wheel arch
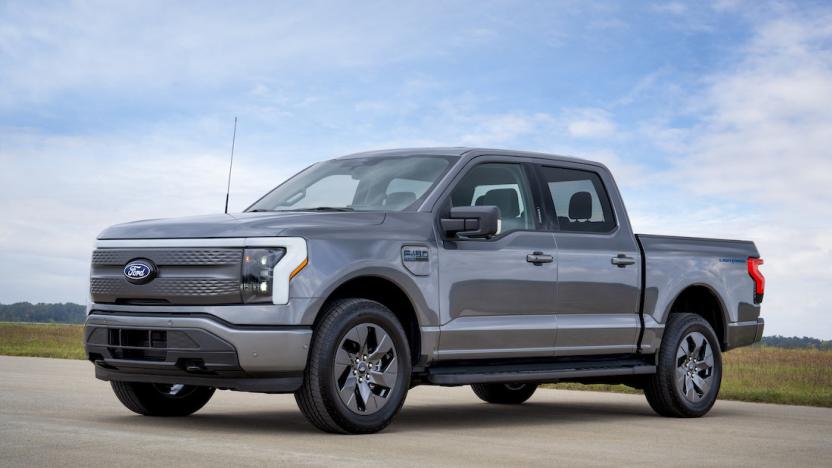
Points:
[703,300]
[384,290]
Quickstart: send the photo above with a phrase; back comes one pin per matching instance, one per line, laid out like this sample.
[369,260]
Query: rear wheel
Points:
[504,394]
[150,399]
[358,372]
[688,371]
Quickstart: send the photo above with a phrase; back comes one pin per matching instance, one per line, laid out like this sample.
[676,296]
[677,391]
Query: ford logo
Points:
[139,271]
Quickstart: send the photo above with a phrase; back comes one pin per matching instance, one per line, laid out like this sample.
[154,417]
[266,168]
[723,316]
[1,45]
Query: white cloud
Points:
[58,193]
[47,50]
[500,129]
[590,123]
[764,140]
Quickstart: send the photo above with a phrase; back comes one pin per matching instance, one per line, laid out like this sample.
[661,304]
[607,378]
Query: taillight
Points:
[759,279]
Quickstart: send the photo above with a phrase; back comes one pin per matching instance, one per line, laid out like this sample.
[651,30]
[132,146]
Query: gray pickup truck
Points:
[364,276]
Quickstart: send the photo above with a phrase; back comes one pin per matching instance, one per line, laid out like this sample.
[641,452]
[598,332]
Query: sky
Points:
[715,117]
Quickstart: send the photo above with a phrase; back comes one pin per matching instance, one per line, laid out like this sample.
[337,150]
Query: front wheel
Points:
[504,394]
[150,399]
[688,370]
[358,371]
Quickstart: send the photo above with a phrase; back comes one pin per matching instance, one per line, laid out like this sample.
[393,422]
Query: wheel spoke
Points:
[681,353]
[690,393]
[347,391]
[352,342]
[362,333]
[343,359]
[706,364]
[709,359]
[704,385]
[699,342]
[375,402]
[384,379]
[365,392]
[690,345]
[385,344]
[391,366]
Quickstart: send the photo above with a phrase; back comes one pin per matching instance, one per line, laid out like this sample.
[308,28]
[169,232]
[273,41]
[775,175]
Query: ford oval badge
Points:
[139,271]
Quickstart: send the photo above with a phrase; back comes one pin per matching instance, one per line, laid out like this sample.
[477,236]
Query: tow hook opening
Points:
[193,366]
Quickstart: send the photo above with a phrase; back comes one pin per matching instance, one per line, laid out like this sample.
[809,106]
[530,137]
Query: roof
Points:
[460,151]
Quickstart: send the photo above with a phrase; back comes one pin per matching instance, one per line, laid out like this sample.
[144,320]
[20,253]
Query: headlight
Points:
[258,274]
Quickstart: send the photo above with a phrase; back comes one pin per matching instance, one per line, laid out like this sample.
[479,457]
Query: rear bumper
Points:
[745,333]
[197,351]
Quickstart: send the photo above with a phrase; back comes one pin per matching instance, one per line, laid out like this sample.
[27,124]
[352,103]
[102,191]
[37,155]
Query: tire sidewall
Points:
[376,314]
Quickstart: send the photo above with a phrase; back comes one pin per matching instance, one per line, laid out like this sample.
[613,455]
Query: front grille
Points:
[170,288]
[200,257]
[186,276]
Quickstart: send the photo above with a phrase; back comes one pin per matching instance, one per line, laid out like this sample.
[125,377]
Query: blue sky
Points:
[715,116]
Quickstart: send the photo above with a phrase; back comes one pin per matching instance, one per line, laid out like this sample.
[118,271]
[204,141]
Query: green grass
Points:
[763,374]
[42,340]
[776,375]
[758,373]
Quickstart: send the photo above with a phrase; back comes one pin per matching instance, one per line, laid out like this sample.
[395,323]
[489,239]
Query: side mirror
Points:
[472,221]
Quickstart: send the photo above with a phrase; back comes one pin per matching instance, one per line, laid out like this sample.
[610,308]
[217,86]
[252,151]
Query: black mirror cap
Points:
[472,221]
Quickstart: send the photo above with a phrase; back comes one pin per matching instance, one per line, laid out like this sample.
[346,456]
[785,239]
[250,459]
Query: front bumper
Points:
[745,333]
[196,350]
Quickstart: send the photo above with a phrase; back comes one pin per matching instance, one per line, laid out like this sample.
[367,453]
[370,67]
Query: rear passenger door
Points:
[598,287]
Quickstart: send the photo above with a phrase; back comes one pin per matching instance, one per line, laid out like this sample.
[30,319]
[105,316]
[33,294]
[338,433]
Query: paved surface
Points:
[53,412]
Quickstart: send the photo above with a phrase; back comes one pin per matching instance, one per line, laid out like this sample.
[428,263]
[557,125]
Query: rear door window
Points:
[580,200]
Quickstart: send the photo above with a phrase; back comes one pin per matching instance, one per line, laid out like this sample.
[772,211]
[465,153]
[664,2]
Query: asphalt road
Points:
[53,412]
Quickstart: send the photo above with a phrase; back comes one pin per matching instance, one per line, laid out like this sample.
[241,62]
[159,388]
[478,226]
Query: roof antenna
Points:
[231,165]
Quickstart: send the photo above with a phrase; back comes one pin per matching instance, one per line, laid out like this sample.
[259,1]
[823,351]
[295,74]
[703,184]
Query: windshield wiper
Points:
[314,208]
[325,208]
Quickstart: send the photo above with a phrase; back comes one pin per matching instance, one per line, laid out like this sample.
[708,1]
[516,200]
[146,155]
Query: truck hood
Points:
[236,225]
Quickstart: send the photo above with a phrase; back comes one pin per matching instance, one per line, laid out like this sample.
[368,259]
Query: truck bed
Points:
[672,265]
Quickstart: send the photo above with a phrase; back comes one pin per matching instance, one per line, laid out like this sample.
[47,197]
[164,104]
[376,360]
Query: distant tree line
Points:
[45,313]
[779,341]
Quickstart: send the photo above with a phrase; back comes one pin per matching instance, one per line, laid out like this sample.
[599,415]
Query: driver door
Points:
[495,301]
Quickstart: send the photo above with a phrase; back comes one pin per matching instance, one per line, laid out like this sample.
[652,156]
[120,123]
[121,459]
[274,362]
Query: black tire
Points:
[319,399]
[666,390]
[150,399]
[504,394]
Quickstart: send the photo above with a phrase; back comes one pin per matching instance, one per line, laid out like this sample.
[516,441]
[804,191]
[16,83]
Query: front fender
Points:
[332,264]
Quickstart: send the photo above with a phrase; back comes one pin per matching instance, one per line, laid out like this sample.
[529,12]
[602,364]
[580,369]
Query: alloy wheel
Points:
[366,368]
[694,367]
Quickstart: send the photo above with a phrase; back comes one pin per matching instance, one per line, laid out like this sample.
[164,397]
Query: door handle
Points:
[539,258]
[622,260]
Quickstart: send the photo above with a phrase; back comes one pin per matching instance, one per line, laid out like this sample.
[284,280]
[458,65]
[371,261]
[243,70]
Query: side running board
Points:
[536,373]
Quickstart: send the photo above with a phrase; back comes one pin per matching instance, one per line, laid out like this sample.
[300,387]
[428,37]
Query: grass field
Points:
[42,340]
[764,374]
[760,374]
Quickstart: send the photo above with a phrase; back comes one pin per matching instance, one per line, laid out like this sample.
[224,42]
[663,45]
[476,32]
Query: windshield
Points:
[360,184]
